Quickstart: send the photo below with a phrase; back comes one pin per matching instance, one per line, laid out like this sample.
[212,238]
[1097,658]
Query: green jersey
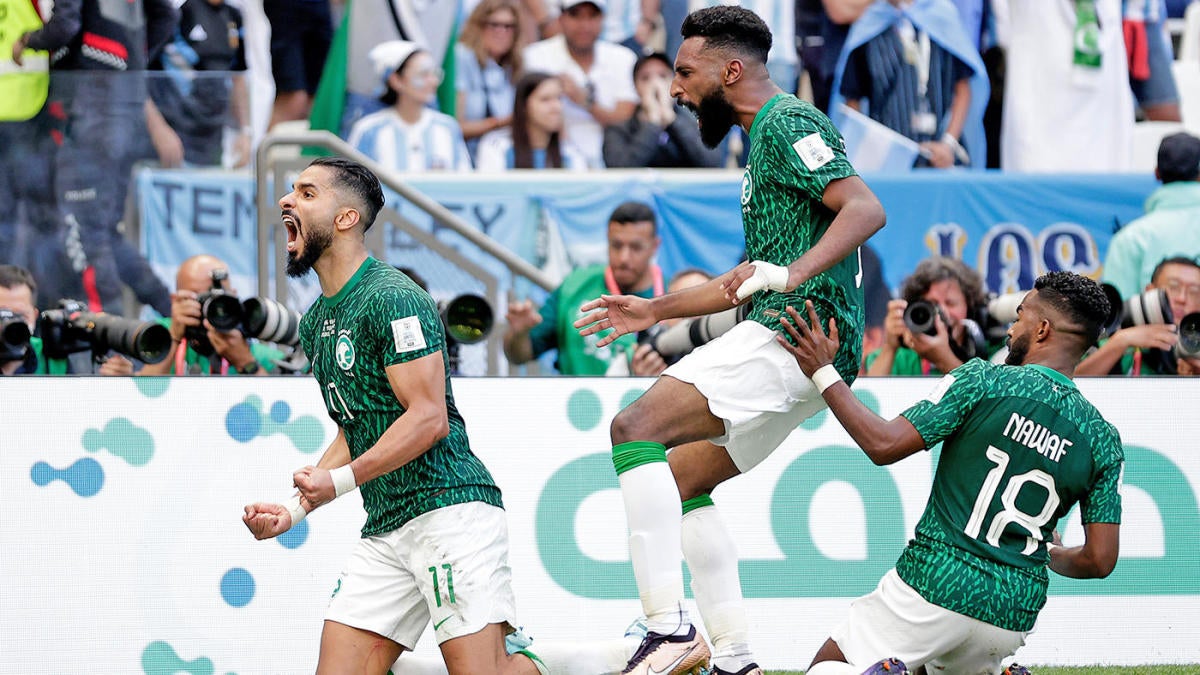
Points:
[795,153]
[1021,447]
[381,318]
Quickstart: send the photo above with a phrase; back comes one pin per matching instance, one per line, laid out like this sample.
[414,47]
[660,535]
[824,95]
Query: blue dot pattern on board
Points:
[280,412]
[295,537]
[85,476]
[243,422]
[237,587]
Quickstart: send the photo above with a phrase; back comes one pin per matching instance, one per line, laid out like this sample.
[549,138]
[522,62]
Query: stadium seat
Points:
[1189,42]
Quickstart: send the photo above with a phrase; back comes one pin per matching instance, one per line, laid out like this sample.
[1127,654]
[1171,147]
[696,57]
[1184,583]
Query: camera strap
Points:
[610,281]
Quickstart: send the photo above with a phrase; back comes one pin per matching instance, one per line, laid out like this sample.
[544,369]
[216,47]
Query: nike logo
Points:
[651,670]
[439,624]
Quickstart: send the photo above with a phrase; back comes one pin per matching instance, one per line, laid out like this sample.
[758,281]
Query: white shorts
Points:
[895,621]
[449,565]
[754,385]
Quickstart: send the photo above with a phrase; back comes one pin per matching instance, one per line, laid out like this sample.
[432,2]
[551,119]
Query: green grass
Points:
[1084,670]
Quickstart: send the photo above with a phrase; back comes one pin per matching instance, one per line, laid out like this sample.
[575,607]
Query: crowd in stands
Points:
[496,85]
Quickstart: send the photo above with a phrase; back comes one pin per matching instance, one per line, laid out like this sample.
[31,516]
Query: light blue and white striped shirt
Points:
[433,143]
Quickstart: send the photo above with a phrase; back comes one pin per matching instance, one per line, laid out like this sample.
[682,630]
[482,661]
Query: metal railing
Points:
[272,171]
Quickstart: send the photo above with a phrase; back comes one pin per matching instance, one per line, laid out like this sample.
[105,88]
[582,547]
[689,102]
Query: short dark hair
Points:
[647,58]
[1175,260]
[730,27]
[634,212]
[359,180]
[12,276]
[939,268]
[390,96]
[1078,298]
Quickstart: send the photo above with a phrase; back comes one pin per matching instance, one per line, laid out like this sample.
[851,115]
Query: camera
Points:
[467,318]
[1188,345]
[1152,306]
[220,308]
[71,328]
[270,320]
[674,342]
[920,316]
[14,337]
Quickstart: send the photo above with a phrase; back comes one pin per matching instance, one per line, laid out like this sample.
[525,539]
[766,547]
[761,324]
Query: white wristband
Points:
[292,504]
[343,480]
[766,276]
[825,377]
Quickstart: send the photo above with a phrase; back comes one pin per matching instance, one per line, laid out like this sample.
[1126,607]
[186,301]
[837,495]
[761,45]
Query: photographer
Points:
[196,347]
[956,292]
[17,291]
[1151,348]
[632,244]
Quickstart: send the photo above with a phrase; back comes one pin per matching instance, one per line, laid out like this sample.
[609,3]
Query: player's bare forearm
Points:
[859,215]
[707,298]
[337,454]
[1095,559]
[884,441]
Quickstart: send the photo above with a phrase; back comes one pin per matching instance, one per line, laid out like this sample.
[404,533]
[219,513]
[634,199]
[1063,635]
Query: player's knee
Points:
[625,427]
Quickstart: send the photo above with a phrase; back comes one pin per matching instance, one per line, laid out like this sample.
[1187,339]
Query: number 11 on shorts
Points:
[437,592]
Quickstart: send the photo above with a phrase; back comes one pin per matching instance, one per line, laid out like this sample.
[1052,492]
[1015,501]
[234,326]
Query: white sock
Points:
[653,511]
[832,668]
[711,555]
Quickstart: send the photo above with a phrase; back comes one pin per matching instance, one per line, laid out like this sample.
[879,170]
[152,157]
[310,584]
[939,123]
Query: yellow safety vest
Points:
[23,88]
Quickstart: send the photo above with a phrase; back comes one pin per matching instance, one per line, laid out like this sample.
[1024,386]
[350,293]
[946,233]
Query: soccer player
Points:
[435,543]
[1020,446]
[731,402]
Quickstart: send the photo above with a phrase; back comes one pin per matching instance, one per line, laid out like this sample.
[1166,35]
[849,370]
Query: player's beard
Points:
[315,244]
[715,115]
[1018,349]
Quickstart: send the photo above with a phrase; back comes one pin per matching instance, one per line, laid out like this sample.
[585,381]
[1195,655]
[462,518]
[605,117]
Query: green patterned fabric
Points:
[795,153]
[1020,447]
[381,318]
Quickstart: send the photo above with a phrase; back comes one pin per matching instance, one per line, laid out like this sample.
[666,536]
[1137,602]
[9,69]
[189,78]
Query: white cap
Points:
[386,57]
[568,4]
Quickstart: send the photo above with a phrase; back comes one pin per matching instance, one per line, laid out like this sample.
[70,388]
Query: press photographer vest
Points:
[23,89]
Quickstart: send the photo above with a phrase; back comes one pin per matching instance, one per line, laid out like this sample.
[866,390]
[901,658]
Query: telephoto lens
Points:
[1188,345]
[270,320]
[920,315]
[467,318]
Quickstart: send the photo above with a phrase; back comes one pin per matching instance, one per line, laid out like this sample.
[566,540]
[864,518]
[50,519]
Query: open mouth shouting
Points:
[292,224]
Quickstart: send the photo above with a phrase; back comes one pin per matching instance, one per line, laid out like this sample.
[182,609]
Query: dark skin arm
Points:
[884,441]
[1095,559]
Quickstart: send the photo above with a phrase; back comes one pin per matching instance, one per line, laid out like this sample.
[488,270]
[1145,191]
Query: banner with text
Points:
[126,552]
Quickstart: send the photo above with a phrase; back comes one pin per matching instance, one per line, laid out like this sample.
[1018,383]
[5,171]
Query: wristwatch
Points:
[249,369]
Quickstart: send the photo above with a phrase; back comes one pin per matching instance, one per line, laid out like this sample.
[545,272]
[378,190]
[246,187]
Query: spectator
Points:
[535,139]
[1150,349]
[487,57]
[196,347]
[99,78]
[631,23]
[876,297]
[911,68]
[301,31]
[202,88]
[632,243]
[1148,49]
[408,135]
[597,76]
[1067,103]
[17,292]
[957,293]
[1171,225]
[661,134]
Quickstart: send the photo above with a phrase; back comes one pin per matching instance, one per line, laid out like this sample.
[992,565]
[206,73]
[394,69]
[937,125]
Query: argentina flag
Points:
[872,147]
